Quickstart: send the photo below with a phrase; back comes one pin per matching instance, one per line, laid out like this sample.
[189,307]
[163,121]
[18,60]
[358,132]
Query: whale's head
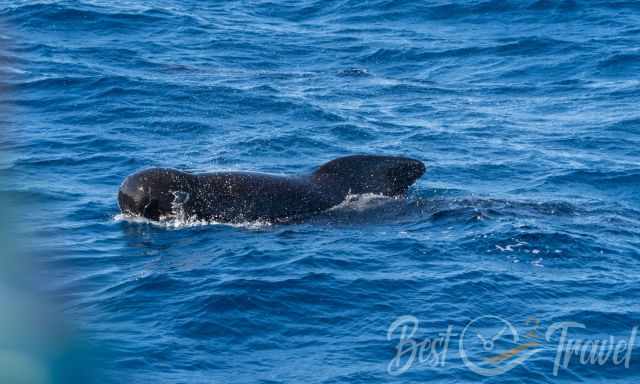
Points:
[152,193]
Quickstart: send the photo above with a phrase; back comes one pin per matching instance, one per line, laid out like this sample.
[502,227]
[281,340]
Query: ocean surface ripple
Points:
[525,112]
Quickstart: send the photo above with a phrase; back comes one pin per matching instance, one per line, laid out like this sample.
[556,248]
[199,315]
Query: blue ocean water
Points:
[525,112]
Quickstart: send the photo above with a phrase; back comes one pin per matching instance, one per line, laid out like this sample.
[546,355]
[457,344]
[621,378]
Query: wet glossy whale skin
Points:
[163,193]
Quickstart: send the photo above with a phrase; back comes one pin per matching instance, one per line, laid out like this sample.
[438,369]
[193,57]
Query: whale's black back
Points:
[240,196]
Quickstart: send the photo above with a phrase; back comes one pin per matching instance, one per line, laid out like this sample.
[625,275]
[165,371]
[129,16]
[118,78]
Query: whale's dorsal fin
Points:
[387,175]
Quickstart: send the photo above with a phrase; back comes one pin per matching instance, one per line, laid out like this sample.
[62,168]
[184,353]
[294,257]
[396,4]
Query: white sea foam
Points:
[14,70]
[175,222]
[363,202]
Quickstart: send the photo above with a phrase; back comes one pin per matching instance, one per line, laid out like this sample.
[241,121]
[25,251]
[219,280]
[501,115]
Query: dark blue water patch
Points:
[27,197]
[67,161]
[279,144]
[600,179]
[66,16]
[527,46]
[545,5]
[412,10]
[632,31]
[587,142]
[351,133]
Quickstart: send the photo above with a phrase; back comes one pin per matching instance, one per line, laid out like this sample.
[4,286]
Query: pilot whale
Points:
[164,193]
